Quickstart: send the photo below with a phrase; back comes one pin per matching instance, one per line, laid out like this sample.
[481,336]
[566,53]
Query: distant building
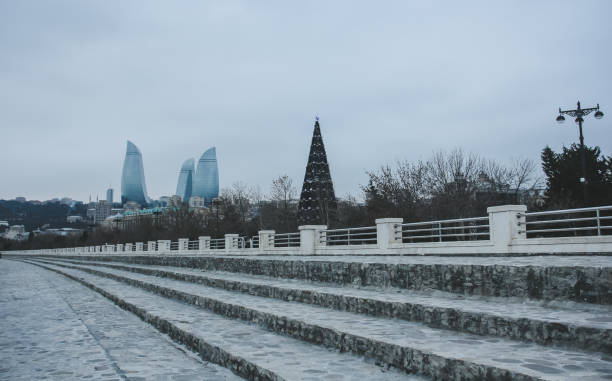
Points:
[133,217]
[196,202]
[163,200]
[20,199]
[61,232]
[206,178]
[133,186]
[114,221]
[131,206]
[175,201]
[103,210]
[98,211]
[184,186]
[109,195]
[16,233]
[74,219]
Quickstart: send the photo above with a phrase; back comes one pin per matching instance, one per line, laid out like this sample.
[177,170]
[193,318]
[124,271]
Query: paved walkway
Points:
[52,328]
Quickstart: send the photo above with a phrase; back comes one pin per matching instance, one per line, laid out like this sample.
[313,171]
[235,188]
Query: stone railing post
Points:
[183,245]
[163,245]
[385,232]
[120,247]
[504,225]
[139,247]
[128,247]
[204,243]
[151,246]
[231,242]
[310,238]
[266,239]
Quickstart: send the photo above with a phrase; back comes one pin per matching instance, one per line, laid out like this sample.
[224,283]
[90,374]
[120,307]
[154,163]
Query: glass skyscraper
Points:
[133,186]
[185,180]
[206,178]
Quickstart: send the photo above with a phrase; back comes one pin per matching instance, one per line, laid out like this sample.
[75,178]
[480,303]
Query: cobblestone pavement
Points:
[52,328]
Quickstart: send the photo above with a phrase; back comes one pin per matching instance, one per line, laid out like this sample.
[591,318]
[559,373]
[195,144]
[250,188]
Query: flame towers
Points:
[133,186]
[206,178]
[185,180]
[203,182]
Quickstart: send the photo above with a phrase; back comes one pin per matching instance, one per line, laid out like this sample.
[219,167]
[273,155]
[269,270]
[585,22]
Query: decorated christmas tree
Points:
[318,203]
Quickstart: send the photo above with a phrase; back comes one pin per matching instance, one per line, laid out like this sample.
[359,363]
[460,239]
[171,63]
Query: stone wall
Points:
[581,284]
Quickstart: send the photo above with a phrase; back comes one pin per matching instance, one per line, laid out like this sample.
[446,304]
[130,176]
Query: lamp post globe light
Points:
[579,113]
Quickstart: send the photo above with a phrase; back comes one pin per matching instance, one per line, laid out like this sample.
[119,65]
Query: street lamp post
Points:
[579,113]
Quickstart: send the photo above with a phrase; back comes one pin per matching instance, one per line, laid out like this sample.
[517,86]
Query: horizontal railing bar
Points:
[351,234]
[446,221]
[347,240]
[345,229]
[561,221]
[563,211]
[447,228]
[444,236]
[562,230]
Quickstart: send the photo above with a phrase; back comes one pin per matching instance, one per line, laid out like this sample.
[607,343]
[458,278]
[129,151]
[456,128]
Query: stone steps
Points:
[565,324]
[410,346]
[246,349]
[584,279]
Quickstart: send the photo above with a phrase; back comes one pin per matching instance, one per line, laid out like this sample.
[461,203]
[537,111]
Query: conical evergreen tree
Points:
[318,205]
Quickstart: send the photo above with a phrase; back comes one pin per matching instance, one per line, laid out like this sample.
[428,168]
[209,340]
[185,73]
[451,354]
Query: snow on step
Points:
[531,359]
[287,358]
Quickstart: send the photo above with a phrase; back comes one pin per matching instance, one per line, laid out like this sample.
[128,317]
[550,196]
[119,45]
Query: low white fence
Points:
[507,229]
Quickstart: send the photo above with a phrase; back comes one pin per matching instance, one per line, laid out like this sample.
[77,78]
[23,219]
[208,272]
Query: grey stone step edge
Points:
[577,283]
[555,333]
[410,360]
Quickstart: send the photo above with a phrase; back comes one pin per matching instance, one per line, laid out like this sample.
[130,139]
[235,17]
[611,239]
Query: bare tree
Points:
[257,197]
[283,191]
[449,184]
[183,222]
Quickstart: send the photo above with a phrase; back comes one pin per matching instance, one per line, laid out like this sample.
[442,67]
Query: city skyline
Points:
[390,82]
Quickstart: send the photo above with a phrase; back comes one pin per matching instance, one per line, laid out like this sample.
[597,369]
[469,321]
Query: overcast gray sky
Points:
[389,79]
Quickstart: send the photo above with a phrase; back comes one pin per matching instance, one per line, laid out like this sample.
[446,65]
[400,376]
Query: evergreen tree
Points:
[563,172]
[318,204]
